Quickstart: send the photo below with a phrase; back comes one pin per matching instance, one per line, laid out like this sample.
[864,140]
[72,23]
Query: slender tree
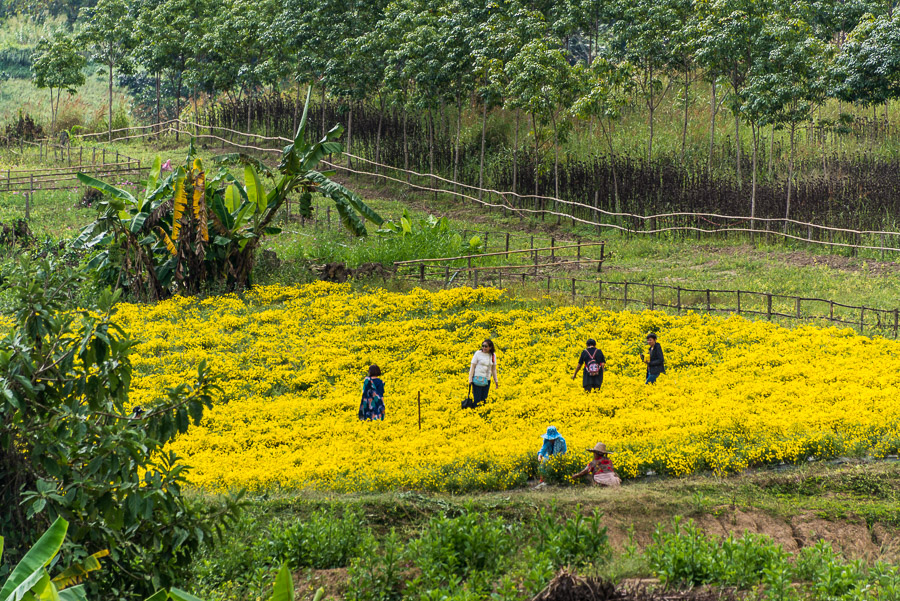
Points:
[57,65]
[108,31]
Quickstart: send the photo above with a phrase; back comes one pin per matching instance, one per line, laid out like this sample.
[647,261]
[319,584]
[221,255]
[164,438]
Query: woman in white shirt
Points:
[484,367]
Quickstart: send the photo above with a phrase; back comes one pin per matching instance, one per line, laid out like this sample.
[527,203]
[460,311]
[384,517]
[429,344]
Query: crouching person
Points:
[600,469]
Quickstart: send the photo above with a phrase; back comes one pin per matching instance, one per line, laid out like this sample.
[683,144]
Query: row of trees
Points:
[548,62]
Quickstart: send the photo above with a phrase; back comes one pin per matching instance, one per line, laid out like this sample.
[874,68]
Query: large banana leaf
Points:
[334,190]
[30,570]
[255,192]
[121,197]
[284,585]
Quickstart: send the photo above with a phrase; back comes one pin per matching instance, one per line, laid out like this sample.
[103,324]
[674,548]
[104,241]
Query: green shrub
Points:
[461,546]
[577,541]
[684,556]
[327,539]
[376,574]
[742,561]
[558,469]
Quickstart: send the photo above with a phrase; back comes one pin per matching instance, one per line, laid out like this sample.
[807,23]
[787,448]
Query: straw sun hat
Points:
[600,448]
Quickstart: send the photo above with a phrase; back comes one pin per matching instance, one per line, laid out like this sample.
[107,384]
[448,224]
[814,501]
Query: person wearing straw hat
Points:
[554,444]
[600,468]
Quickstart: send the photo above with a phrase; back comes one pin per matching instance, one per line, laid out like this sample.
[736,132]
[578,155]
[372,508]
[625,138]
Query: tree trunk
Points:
[737,145]
[323,108]
[713,109]
[178,105]
[350,136]
[481,159]
[755,134]
[652,110]
[456,151]
[429,117]
[378,134]
[296,108]
[556,174]
[158,127]
[405,145]
[787,209]
[687,83]
[534,125]
[612,161]
[515,153]
[110,101]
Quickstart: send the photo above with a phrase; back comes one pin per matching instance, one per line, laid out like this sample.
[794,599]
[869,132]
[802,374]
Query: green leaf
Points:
[121,197]
[29,571]
[75,593]
[232,198]
[153,178]
[284,585]
[255,192]
[158,596]
[405,224]
[179,595]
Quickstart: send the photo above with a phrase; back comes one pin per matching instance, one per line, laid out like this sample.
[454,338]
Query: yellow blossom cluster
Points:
[291,362]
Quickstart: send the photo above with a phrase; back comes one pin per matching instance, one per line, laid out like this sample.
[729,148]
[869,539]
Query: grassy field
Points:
[850,507]
[711,262]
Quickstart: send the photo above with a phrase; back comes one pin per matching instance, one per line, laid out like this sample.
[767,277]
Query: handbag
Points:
[481,380]
[467,402]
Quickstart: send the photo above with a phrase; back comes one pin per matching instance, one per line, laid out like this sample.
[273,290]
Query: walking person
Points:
[481,371]
[600,468]
[372,405]
[594,365]
[655,361]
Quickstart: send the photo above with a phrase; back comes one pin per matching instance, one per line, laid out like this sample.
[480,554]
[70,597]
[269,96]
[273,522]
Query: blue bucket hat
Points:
[551,434]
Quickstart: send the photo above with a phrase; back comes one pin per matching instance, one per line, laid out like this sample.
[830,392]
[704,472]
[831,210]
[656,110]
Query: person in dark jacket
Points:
[655,362]
[594,363]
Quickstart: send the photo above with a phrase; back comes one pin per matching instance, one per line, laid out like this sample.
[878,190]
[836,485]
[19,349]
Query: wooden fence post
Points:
[552,248]
[652,295]
[862,323]
[830,310]
[534,253]
[678,288]
[475,278]
[738,302]
[573,289]
[485,241]
[600,290]
[769,306]
[328,217]
[104,156]
[507,241]
[625,297]
[29,198]
[600,264]
[422,272]
[94,156]
[896,321]
[708,306]
[578,266]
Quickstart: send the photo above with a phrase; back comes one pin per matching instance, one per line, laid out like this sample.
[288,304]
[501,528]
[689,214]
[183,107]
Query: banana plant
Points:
[30,580]
[201,228]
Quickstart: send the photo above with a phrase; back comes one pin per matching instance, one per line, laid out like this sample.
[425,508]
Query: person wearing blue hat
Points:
[554,444]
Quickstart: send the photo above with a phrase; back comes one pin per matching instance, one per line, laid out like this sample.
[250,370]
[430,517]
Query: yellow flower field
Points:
[292,360]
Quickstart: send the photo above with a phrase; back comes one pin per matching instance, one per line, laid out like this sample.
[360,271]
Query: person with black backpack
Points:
[594,364]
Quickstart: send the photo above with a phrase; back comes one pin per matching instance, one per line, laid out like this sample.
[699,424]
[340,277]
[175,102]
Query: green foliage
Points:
[578,541]
[57,64]
[194,230]
[684,556]
[327,539]
[463,546]
[71,445]
[377,574]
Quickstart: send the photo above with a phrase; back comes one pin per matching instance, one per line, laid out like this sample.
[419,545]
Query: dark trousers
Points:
[479,393]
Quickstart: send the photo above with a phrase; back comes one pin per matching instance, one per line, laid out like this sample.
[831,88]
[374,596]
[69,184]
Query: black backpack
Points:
[592,367]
